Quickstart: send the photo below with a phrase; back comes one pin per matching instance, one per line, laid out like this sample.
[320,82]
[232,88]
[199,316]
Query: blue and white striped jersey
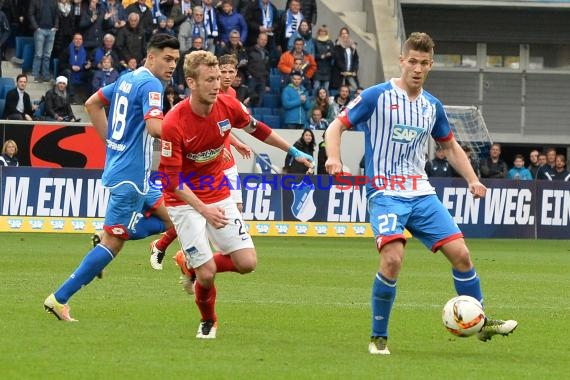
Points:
[396,136]
[133,98]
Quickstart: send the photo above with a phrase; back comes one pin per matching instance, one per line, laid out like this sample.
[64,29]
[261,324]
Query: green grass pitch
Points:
[304,314]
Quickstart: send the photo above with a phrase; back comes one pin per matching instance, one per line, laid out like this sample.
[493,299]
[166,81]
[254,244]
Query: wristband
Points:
[297,153]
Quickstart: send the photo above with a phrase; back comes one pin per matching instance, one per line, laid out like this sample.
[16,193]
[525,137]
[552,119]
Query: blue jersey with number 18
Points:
[132,99]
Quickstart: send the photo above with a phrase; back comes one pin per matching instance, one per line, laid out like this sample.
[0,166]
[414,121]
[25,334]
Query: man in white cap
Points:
[58,106]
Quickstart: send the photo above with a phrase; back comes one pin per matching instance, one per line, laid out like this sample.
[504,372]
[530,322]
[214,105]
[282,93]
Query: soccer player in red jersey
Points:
[197,195]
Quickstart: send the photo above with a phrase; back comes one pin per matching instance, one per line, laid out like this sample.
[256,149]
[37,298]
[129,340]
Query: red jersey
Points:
[228,164]
[193,147]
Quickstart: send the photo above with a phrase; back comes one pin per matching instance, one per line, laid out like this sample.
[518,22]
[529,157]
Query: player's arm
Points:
[264,133]
[242,148]
[95,107]
[154,126]
[458,159]
[333,136]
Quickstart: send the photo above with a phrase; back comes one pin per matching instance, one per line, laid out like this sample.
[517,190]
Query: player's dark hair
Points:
[419,41]
[162,41]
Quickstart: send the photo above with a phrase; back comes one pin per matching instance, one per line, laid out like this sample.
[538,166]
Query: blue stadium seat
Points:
[260,111]
[273,121]
[20,43]
[2,106]
[4,80]
[28,57]
[275,83]
[55,67]
[4,88]
[271,101]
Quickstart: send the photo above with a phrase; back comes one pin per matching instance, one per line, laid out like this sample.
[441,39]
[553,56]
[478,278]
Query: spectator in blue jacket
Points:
[231,20]
[519,171]
[296,103]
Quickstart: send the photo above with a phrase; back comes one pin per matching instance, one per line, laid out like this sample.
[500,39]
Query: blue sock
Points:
[383,295]
[468,284]
[92,264]
[147,227]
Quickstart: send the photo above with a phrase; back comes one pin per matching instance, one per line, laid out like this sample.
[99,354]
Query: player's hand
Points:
[477,189]
[215,215]
[333,165]
[243,150]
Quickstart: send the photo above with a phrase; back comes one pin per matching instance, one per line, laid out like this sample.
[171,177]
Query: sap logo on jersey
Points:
[405,134]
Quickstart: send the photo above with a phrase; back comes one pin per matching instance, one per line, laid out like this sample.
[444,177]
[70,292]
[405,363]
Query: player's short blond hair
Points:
[418,41]
[196,59]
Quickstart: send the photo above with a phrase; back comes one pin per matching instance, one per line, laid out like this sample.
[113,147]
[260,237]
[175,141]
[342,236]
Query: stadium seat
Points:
[275,83]
[4,80]
[2,106]
[20,43]
[271,101]
[261,111]
[273,121]
[4,88]
[28,57]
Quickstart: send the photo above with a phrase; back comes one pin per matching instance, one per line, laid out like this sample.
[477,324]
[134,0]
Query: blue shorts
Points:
[126,206]
[424,216]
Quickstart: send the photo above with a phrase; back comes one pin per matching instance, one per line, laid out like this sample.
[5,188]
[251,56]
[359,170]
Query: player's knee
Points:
[245,262]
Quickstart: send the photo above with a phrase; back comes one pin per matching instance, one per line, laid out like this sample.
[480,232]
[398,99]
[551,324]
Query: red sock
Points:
[206,302]
[224,263]
[166,239]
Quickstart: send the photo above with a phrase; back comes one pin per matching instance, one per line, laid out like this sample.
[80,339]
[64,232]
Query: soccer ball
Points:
[463,316]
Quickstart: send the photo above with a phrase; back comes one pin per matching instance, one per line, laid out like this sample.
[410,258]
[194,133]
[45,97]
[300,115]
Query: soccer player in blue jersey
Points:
[400,117]
[135,118]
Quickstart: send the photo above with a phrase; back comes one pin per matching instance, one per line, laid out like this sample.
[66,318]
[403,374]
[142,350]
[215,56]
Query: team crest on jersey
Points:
[405,134]
[354,102]
[224,126]
[154,99]
[166,148]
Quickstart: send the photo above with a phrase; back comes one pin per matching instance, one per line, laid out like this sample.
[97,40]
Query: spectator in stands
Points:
[117,15]
[287,60]
[304,32]
[19,16]
[306,144]
[322,101]
[322,157]
[295,102]
[162,28]
[132,65]
[547,170]
[518,171]
[211,24]
[181,12]
[178,77]
[308,9]
[473,159]
[145,16]
[300,66]
[258,68]
[439,166]
[170,98]
[243,92]
[44,21]
[107,49]
[559,173]
[235,48]
[9,154]
[192,28]
[341,100]
[494,166]
[229,21]
[5,32]
[69,17]
[57,104]
[131,41]
[324,49]
[289,23]
[74,64]
[346,62]
[317,121]
[533,164]
[95,22]
[18,103]
[262,17]
[105,75]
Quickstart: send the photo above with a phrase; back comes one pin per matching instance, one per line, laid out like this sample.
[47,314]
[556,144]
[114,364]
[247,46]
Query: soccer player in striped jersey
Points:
[193,140]
[400,116]
[135,118]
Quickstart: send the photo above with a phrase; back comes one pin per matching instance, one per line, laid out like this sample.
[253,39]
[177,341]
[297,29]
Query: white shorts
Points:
[193,231]
[233,178]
